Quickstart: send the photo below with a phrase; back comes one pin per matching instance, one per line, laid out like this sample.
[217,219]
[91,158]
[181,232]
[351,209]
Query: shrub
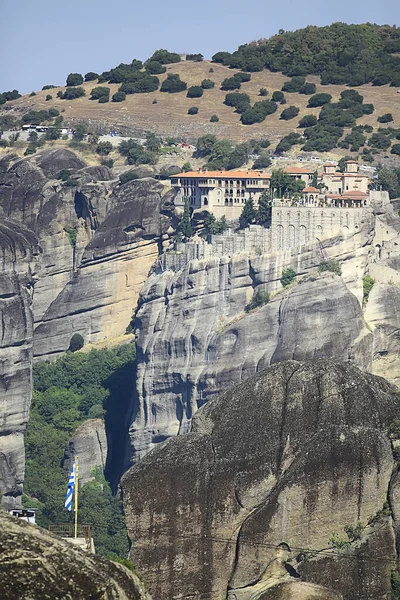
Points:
[108,162]
[195,57]
[164,57]
[262,162]
[104,148]
[395,149]
[155,68]
[231,83]
[48,87]
[118,97]
[215,119]
[263,92]
[330,265]
[289,113]
[319,100]
[308,89]
[60,94]
[99,92]
[91,76]
[278,96]
[220,57]
[195,91]
[294,85]
[49,97]
[243,77]
[308,121]
[173,84]
[288,275]
[32,94]
[379,141]
[207,84]
[193,110]
[386,118]
[74,79]
[72,93]
[260,298]
[368,284]
[127,176]
[258,112]
[368,109]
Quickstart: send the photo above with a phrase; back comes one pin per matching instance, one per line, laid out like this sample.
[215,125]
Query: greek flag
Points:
[71,488]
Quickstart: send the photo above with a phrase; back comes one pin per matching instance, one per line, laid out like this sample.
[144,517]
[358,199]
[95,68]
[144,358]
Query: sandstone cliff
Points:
[98,240]
[288,457]
[194,338]
[18,254]
[37,565]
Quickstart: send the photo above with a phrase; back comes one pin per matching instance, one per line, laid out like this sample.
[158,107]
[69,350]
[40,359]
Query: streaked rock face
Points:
[18,254]
[53,568]
[89,443]
[294,454]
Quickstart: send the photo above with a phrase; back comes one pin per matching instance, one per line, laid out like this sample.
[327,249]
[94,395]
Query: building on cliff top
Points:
[224,193]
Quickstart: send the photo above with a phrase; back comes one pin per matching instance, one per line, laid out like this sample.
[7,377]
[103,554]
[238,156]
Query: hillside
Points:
[168,117]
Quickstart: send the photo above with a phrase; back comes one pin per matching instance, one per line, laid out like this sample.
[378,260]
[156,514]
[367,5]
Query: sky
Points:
[41,41]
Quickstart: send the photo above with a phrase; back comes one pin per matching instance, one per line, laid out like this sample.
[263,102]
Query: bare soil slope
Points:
[169,115]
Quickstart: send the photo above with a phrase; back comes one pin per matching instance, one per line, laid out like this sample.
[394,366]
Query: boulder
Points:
[291,456]
[38,565]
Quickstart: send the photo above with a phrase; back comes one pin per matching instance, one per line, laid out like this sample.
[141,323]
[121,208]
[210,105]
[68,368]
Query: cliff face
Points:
[98,240]
[38,565]
[195,339]
[289,457]
[18,254]
[89,443]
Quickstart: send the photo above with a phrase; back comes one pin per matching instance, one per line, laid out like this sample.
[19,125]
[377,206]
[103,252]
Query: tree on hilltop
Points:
[74,79]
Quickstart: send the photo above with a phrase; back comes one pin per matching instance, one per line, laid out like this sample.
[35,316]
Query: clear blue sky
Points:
[41,41]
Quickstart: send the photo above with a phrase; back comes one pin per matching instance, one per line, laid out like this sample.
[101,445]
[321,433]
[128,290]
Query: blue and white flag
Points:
[71,488]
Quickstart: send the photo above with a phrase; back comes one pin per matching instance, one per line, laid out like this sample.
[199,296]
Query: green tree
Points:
[49,97]
[264,208]
[315,179]
[215,119]
[74,79]
[205,145]
[368,283]
[80,131]
[260,298]
[249,213]
[155,68]
[104,148]
[127,176]
[319,100]
[277,96]
[288,275]
[73,93]
[52,133]
[91,76]
[195,91]
[388,180]
[331,265]
[386,118]
[99,92]
[152,143]
[173,84]
[185,226]
[193,110]
[308,121]
[280,180]
[262,162]
[289,113]
[207,84]
[262,92]
[118,97]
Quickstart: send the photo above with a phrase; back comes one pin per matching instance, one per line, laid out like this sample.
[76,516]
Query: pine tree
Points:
[315,179]
[264,208]
[249,213]
[185,227]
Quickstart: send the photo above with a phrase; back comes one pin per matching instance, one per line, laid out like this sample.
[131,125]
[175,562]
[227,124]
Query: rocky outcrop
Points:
[98,240]
[195,339]
[99,299]
[290,456]
[89,443]
[18,254]
[37,565]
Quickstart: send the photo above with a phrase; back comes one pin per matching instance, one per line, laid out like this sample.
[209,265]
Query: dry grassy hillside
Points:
[169,115]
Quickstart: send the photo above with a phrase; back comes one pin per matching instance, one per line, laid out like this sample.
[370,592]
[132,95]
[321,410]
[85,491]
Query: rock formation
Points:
[18,254]
[293,455]
[38,565]
[98,240]
[195,338]
[89,443]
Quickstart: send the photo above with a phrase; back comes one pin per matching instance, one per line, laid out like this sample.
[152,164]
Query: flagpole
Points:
[76,497]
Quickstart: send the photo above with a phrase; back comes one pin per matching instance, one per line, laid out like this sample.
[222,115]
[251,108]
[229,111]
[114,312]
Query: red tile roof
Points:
[224,174]
[311,189]
[299,170]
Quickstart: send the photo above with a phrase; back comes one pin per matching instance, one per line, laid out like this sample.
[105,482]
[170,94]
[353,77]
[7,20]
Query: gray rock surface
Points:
[37,565]
[18,254]
[89,443]
[294,454]
[90,286]
[194,338]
